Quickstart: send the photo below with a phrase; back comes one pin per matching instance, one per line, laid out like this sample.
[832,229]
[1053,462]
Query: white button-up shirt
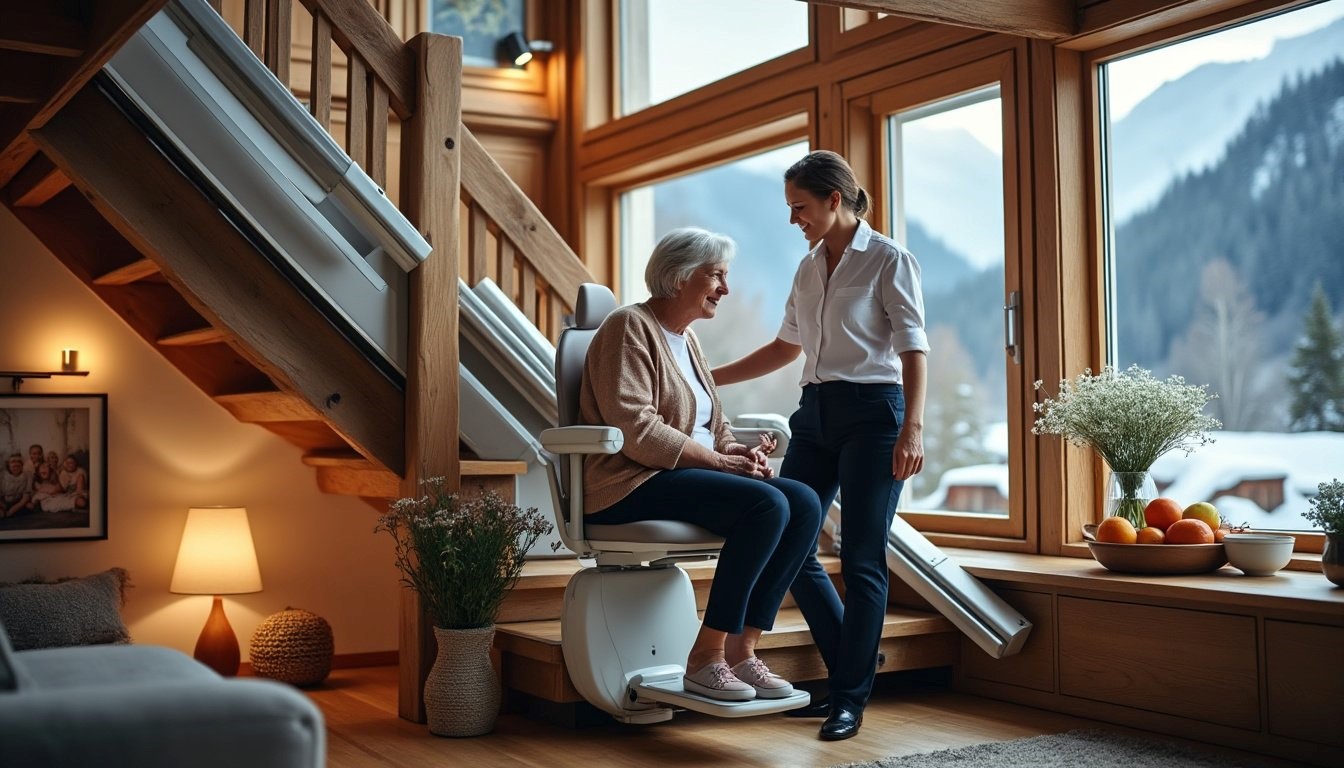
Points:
[854,326]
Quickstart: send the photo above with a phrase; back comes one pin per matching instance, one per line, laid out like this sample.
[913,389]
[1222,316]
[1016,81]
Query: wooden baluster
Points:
[555,316]
[477,259]
[528,299]
[377,167]
[319,81]
[507,255]
[357,112]
[279,21]
[254,27]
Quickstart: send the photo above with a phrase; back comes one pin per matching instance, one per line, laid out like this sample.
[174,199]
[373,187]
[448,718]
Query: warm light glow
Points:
[216,556]
[69,359]
[522,58]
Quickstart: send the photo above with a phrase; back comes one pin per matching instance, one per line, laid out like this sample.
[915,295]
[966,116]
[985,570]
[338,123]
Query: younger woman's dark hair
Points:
[823,172]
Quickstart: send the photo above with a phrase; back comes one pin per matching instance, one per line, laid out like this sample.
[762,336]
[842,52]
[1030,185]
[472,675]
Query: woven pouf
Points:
[293,646]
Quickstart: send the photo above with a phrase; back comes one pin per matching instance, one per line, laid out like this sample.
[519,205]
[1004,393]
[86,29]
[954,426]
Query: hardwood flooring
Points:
[904,717]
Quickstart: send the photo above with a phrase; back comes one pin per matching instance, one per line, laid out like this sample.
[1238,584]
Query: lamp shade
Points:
[216,556]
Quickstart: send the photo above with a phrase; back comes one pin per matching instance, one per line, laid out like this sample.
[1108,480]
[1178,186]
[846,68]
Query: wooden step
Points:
[133,272]
[350,474]
[194,338]
[532,662]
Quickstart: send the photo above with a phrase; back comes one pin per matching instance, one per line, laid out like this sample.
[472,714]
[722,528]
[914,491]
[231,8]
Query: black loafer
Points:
[818,708]
[842,723]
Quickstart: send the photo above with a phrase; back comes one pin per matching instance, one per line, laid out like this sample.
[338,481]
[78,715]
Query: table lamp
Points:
[217,558]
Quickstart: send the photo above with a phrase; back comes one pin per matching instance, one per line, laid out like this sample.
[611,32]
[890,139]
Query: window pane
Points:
[1225,181]
[671,47]
[947,208]
[480,25]
[744,200]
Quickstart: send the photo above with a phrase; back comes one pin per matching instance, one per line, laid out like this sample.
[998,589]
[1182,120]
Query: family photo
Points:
[55,463]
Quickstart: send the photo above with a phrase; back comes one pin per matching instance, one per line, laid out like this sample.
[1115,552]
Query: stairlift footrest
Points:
[662,685]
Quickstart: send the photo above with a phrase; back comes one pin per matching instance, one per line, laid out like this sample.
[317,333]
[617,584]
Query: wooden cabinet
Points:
[1251,664]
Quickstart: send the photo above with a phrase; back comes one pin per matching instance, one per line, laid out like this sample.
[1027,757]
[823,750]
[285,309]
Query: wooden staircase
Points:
[527,637]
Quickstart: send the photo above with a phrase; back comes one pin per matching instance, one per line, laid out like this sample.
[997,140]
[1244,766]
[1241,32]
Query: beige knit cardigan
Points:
[631,380]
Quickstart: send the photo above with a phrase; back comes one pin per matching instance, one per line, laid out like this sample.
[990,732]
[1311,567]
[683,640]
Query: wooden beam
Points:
[224,278]
[431,173]
[1048,19]
[112,24]
[23,77]
[40,28]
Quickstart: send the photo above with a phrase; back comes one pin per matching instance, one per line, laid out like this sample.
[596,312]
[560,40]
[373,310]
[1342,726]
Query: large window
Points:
[671,47]
[945,196]
[1224,181]
[743,199]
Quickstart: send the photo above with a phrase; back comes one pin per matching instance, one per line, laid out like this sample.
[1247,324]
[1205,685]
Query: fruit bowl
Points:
[1166,559]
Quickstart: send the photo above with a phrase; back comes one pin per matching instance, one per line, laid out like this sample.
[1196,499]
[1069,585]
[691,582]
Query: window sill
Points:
[1296,591]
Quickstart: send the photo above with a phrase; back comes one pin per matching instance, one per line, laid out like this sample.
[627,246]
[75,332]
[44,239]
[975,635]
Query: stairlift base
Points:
[625,634]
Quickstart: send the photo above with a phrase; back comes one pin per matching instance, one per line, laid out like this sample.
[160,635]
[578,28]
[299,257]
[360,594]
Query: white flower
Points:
[1128,417]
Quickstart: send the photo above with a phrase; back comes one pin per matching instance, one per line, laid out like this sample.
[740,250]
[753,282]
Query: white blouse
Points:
[704,407]
[854,326]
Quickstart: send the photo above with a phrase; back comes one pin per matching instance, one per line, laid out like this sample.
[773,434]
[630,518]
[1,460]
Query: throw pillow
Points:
[77,611]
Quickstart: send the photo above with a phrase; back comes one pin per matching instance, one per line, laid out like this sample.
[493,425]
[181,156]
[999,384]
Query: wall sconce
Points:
[69,367]
[515,49]
[216,558]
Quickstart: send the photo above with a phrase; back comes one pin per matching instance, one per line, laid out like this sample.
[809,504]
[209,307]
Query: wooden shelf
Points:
[17,377]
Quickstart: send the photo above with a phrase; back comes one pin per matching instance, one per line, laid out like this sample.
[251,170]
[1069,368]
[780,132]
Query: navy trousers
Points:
[842,438]
[768,528]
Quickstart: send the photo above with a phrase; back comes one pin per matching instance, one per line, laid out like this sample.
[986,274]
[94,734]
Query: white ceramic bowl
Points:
[1258,554]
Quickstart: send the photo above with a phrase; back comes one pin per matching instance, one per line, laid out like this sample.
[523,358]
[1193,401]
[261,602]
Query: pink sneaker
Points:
[716,681]
[768,685]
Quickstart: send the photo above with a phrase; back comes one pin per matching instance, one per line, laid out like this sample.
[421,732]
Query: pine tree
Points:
[1316,381]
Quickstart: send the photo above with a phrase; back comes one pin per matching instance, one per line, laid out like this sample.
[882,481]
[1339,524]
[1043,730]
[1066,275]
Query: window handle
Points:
[1011,320]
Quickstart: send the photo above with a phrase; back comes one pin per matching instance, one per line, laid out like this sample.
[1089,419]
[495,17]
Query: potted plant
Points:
[461,554]
[1326,511]
[1130,418]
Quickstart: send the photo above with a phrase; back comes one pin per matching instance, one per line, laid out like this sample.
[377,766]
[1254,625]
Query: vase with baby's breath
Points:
[1130,419]
[461,554]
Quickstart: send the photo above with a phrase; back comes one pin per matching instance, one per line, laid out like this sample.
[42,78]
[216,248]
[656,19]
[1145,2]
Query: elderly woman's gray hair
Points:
[679,254]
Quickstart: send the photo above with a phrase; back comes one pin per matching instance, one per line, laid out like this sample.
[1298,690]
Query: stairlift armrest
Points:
[748,427]
[582,439]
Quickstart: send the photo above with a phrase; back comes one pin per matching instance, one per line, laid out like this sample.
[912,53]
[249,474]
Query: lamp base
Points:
[217,647]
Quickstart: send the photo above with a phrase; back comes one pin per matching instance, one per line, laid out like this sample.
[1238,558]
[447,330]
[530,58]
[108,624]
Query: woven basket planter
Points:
[293,646]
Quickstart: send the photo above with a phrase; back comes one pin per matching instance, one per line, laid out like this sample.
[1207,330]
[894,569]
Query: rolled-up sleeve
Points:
[903,301]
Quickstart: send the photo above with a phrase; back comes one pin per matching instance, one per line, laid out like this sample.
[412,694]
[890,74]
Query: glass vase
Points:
[1128,493]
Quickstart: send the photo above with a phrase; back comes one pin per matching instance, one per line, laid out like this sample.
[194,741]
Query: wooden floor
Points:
[904,717]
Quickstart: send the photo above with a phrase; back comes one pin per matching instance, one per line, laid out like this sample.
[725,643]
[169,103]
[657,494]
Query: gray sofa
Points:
[147,706]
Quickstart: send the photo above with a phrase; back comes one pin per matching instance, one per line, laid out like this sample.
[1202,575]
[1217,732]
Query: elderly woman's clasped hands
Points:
[740,459]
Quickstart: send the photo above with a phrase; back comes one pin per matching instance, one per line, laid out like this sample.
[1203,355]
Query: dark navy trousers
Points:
[842,438]
[768,528]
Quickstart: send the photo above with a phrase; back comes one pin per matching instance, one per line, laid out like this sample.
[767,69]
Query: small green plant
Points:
[1326,508]
[461,554]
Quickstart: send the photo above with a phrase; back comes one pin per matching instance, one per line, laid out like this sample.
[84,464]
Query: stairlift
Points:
[629,621]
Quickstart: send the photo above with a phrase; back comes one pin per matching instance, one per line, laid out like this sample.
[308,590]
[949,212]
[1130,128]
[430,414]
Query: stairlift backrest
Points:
[594,303]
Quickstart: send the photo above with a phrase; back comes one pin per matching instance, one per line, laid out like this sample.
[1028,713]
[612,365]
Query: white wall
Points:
[169,448]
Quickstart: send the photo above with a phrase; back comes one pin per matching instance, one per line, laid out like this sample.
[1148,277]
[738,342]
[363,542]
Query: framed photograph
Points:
[480,24]
[53,486]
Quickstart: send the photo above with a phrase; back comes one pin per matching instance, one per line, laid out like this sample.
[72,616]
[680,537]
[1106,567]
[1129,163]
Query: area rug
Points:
[1089,749]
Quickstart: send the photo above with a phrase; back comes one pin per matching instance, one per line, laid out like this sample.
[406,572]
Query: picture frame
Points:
[69,502]
[479,24]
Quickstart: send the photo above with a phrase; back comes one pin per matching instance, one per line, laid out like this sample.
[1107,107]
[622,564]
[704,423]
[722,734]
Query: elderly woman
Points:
[645,373]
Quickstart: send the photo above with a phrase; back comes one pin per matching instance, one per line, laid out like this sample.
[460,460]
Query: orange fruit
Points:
[1190,531]
[1219,533]
[1116,530]
[1162,512]
[1203,510]
[1151,535]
